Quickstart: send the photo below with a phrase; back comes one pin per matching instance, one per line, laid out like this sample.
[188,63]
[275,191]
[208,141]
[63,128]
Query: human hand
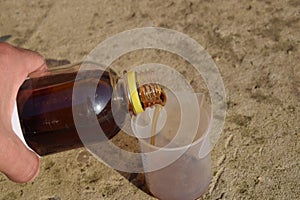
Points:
[17,162]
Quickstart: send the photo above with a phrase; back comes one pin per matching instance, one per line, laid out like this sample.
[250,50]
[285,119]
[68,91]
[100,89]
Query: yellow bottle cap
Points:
[133,92]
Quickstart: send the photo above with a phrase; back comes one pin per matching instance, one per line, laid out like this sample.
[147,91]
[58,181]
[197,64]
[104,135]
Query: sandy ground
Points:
[256,46]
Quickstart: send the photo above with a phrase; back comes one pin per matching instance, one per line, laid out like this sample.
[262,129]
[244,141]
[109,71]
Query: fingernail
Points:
[37,171]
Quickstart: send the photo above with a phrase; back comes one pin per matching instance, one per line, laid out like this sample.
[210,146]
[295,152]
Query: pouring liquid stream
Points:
[154,123]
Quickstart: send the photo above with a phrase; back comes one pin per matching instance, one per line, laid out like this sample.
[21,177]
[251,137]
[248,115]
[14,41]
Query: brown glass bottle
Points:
[46,105]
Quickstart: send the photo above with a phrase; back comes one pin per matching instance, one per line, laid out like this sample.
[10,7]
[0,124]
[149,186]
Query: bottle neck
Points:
[136,97]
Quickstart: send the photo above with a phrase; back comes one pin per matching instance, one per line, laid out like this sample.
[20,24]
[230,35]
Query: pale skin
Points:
[17,162]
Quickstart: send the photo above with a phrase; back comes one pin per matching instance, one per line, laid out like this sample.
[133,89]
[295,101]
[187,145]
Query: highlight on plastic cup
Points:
[187,171]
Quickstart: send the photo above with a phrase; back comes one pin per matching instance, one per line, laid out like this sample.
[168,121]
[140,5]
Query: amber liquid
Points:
[45,110]
[154,123]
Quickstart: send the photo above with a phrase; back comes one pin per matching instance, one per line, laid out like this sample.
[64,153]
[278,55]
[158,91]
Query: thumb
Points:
[33,62]
[17,162]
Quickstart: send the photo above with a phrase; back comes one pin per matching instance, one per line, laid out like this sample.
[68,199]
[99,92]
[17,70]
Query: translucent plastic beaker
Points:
[186,170]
